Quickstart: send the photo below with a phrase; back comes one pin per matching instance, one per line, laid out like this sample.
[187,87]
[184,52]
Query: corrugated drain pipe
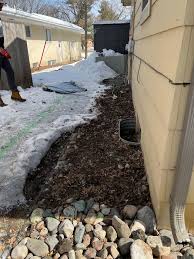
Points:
[183,174]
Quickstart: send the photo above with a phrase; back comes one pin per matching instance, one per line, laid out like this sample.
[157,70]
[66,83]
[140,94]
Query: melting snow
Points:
[27,130]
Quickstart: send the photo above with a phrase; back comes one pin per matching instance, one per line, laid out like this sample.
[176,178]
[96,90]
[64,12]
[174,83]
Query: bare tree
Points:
[74,11]
[112,10]
[28,5]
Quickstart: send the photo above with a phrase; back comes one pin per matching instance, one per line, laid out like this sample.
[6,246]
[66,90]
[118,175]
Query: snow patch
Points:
[110,52]
[29,129]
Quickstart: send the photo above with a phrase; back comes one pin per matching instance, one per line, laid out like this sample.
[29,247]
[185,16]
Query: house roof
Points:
[12,14]
[112,22]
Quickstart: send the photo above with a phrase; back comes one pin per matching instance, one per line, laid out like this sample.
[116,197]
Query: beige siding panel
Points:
[189,217]
[161,55]
[189,17]
[190,198]
[178,108]
[185,64]
[161,93]
[154,189]
[155,24]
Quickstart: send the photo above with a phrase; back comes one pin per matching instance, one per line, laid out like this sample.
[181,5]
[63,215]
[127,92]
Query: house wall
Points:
[163,56]
[64,47]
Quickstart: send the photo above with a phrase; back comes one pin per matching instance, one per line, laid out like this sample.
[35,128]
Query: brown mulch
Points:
[93,162]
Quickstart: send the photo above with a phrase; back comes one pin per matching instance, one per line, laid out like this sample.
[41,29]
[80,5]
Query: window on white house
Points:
[48,35]
[52,62]
[146,10]
[28,31]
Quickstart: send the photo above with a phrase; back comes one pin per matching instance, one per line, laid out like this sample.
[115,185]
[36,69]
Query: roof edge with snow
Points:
[112,22]
[37,19]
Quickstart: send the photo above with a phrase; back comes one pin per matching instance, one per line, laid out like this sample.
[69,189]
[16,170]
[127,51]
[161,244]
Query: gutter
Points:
[183,174]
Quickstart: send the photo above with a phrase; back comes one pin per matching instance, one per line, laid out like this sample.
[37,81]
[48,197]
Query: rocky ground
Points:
[65,216]
[89,230]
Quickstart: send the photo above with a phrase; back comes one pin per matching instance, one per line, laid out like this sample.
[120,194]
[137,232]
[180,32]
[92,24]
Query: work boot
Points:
[2,104]
[17,97]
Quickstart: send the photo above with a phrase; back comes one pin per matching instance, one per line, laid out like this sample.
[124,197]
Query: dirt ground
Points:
[93,162]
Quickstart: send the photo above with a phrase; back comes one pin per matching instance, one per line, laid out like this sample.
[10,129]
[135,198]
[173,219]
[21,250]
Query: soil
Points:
[93,162]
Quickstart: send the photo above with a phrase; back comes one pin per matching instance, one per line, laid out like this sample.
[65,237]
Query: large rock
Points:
[130,211]
[125,245]
[114,252]
[137,225]
[71,254]
[91,217]
[189,254]
[90,253]
[140,250]
[30,256]
[52,242]
[121,227]
[80,205]
[52,224]
[65,246]
[70,212]
[111,234]
[103,253]
[79,233]
[160,251]
[147,215]
[97,244]
[138,234]
[19,252]
[37,216]
[37,247]
[167,237]
[100,233]
[66,228]
[99,218]
[87,240]
[154,241]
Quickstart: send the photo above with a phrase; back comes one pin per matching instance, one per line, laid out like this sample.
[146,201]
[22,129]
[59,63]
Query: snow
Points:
[110,52]
[38,19]
[112,22]
[27,130]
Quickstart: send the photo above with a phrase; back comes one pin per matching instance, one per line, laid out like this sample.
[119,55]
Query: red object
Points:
[5,54]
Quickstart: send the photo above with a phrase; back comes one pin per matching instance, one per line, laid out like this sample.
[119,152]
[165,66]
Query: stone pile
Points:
[88,230]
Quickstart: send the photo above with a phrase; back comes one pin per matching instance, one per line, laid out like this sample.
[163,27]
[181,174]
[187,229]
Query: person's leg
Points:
[2,104]
[10,74]
[11,80]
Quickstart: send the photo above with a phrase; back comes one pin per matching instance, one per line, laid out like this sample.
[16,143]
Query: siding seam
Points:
[160,32]
[160,73]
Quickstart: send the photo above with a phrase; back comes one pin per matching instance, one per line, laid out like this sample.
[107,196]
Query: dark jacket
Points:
[2,42]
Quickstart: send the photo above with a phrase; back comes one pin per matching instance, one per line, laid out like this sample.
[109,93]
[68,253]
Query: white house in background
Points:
[50,41]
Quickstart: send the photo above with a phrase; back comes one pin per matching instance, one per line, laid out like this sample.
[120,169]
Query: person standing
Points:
[6,66]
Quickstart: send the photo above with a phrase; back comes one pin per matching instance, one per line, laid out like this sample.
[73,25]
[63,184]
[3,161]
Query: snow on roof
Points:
[38,19]
[112,22]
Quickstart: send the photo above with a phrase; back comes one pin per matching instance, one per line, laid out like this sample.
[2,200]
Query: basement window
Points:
[146,10]
[52,62]
[28,31]
[48,35]
[35,65]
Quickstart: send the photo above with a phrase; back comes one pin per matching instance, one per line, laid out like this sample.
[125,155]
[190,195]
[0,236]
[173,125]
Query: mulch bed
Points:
[93,162]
